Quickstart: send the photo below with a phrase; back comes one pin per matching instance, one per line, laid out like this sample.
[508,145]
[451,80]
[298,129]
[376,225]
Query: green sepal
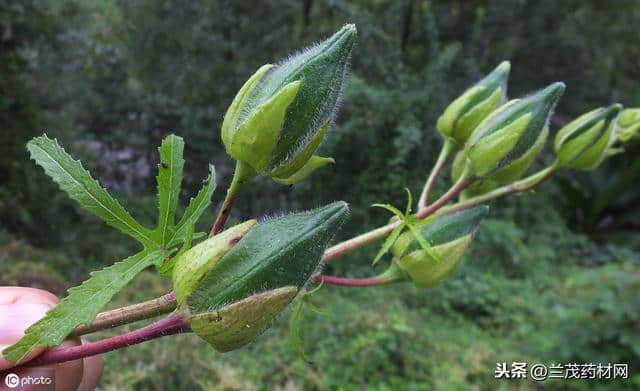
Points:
[462,116]
[256,137]
[425,271]
[312,164]
[595,154]
[300,159]
[229,124]
[446,122]
[628,124]
[468,122]
[584,142]
[575,147]
[488,152]
[235,325]
[194,264]
[518,167]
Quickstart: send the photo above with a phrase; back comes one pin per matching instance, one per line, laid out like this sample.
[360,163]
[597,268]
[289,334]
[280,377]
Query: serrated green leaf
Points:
[195,209]
[82,304]
[81,187]
[169,182]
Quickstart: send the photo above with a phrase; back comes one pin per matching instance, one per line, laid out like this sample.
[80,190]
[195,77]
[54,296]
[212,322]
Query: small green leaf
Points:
[194,210]
[302,301]
[388,243]
[81,187]
[169,183]
[82,304]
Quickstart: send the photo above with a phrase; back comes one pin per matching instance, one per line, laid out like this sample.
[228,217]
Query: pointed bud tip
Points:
[504,66]
[613,109]
[346,36]
[555,90]
[337,209]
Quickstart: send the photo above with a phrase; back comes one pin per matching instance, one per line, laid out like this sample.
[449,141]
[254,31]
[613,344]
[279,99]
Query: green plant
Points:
[230,286]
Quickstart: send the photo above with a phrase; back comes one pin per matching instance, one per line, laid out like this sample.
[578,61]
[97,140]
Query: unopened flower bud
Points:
[280,116]
[462,116]
[229,300]
[584,142]
[628,124]
[511,136]
[449,235]
[505,175]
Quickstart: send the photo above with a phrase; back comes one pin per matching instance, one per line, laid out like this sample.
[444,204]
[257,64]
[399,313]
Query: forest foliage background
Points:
[553,276]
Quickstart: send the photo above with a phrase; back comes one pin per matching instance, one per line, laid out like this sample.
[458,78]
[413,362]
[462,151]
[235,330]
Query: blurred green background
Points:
[553,277]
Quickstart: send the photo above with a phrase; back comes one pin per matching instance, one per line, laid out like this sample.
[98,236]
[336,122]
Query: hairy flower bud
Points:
[450,235]
[510,136]
[584,142]
[230,299]
[628,124]
[280,116]
[462,116]
[505,175]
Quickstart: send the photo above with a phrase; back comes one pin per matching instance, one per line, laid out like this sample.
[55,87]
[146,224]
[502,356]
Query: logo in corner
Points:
[12,380]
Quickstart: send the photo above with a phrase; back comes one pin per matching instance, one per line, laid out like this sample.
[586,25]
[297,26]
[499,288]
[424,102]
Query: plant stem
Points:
[167,302]
[243,173]
[446,150]
[172,324]
[525,184]
[378,233]
[346,281]
[129,314]
[392,274]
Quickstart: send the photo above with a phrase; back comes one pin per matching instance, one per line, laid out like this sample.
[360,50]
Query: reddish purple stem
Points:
[346,281]
[172,324]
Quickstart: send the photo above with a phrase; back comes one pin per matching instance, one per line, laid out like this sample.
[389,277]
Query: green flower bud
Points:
[628,124]
[462,116]
[282,113]
[194,264]
[505,175]
[450,236]
[510,137]
[254,280]
[584,142]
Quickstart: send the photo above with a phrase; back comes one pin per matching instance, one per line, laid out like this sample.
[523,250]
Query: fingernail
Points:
[15,318]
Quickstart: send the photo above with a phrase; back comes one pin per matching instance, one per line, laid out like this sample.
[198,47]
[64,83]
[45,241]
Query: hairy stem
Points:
[241,176]
[392,274]
[172,324]
[129,314]
[525,184]
[446,150]
[346,281]
[167,302]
